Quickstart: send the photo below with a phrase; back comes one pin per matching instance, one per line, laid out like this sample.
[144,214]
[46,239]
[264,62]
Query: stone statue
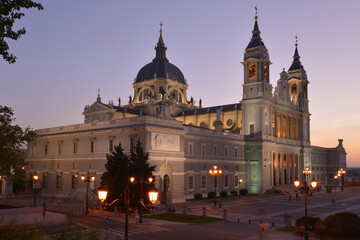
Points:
[119,100]
[218,114]
[200,102]
[166,183]
[130,99]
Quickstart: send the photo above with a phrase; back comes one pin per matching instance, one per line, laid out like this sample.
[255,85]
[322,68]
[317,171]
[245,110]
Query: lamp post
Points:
[36,178]
[342,173]
[313,185]
[149,181]
[215,172]
[87,179]
[102,194]
[239,182]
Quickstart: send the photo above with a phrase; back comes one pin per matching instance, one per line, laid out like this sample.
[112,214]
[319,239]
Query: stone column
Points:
[276,124]
[288,172]
[281,168]
[281,125]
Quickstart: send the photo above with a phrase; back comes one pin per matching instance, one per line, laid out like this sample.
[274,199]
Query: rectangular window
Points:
[44,181]
[236,180]
[58,180]
[46,148]
[273,121]
[74,181]
[203,181]
[131,144]
[252,129]
[33,147]
[236,152]
[225,151]
[92,147]
[203,150]
[284,127]
[190,149]
[191,182]
[279,125]
[75,150]
[59,148]
[295,128]
[214,150]
[111,145]
[226,181]
[290,128]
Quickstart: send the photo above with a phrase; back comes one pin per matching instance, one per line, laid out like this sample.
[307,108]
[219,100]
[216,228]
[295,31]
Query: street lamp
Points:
[342,173]
[149,181]
[239,183]
[102,194]
[36,178]
[215,172]
[312,186]
[87,179]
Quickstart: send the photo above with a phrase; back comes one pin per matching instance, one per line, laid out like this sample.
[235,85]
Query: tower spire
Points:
[160,48]
[256,40]
[296,64]
[98,99]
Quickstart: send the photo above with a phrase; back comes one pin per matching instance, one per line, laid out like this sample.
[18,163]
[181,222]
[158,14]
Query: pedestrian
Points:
[261,229]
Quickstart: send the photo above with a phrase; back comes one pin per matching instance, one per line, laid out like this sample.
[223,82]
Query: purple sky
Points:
[72,48]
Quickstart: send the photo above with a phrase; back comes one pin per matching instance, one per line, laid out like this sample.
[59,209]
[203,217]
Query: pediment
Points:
[97,107]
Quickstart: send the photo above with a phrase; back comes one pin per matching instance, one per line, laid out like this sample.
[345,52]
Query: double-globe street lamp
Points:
[88,178]
[312,186]
[102,194]
[149,181]
[341,173]
[215,172]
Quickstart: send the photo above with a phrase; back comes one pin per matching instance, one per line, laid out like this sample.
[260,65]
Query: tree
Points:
[120,167]
[10,11]
[12,138]
[115,177]
[141,170]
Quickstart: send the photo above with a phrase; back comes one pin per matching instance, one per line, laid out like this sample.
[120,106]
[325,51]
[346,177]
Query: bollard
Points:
[249,221]
[204,212]
[184,210]
[225,214]
[238,220]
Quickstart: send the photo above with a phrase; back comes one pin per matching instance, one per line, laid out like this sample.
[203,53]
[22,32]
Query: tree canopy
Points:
[120,167]
[10,10]
[12,138]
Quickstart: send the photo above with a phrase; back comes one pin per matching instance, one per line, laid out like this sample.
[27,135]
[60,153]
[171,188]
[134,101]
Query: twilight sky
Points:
[73,48]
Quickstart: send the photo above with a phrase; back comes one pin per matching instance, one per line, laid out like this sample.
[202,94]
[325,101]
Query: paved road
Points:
[270,208]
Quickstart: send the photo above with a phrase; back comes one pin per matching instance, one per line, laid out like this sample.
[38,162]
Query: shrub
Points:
[223,194]
[211,195]
[198,196]
[234,193]
[344,225]
[311,221]
[244,192]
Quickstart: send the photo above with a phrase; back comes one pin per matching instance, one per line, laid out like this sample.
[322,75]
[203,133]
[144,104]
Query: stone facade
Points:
[263,140]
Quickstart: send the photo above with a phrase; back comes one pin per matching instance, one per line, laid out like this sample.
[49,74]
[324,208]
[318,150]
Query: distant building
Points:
[264,139]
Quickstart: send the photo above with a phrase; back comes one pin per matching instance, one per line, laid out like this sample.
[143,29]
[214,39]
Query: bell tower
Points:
[256,68]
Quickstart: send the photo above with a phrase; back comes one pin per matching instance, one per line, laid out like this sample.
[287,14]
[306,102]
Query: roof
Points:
[225,108]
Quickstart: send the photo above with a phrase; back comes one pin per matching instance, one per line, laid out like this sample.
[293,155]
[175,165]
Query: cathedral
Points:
[263,140]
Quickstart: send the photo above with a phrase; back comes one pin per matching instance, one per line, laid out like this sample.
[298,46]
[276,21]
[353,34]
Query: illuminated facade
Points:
[264,139]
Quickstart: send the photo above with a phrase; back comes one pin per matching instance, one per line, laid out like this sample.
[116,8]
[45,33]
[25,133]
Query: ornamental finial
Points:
[161,27]
[256,17]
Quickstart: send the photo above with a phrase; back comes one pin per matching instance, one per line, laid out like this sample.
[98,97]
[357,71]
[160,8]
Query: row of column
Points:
[284,125]
[285,168]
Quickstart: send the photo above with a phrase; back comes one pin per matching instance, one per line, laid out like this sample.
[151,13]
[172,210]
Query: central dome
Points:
[160,66]
[160,69]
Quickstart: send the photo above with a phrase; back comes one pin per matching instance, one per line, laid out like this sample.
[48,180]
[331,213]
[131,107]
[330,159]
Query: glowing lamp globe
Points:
[313,183]
[102,193]
[297,183]
[36,177]
[150,179]
[153,195]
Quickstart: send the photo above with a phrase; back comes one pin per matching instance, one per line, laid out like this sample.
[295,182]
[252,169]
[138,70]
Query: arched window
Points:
[266,71]
[175,95]
[252,70]
[146,94]
[294,89]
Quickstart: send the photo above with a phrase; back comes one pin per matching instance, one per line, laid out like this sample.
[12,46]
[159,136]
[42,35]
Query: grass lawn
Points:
[175,217]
